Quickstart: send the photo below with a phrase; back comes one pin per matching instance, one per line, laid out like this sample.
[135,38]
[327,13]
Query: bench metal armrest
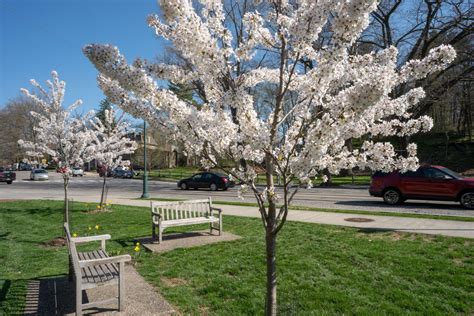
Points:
[79,240]
[156,214]
[219,210]
[94,262]
[216,209]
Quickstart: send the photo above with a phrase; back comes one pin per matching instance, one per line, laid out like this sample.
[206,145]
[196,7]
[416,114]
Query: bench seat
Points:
[190,221]
[103,274]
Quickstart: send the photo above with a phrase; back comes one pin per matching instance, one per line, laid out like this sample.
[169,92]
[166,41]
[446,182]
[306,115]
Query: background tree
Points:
[16,123]
[109,142]
[311,115]
[58,133]
[104,105]
[415,27]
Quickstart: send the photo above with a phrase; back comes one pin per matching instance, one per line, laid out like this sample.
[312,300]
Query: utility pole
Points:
[145,172]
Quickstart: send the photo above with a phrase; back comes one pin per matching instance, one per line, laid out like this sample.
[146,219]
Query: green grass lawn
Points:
[321,269]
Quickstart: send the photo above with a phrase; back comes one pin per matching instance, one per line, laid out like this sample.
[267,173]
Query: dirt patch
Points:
[458,262]
[397,236]
[203,310]
[358,220]
[56,242]
[173,282]
[97,211]
[8,200]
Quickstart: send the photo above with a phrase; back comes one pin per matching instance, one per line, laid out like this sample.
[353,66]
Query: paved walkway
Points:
[55,296]
[408,224]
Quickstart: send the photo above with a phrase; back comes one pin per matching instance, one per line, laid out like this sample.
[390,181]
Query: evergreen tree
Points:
[104,105]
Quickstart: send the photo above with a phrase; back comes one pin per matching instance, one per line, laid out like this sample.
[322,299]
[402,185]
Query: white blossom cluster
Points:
[109,140]
[57,133]
[342,97]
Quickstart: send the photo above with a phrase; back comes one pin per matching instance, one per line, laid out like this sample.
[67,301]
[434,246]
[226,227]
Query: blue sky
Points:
[37,36]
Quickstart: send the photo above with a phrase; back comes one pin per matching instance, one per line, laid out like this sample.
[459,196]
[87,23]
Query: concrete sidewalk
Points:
[408,224]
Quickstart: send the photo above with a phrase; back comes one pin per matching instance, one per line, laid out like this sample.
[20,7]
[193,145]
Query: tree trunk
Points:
[271,299]
[270,238]
[102,197]
[66,202]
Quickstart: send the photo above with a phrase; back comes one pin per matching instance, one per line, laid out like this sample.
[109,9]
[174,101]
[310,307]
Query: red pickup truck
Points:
[7,176]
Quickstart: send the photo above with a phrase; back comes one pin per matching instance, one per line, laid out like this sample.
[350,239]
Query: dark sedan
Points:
[206,180]
[121,173]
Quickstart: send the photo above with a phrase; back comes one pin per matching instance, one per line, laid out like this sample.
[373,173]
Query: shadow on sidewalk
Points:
[50,296]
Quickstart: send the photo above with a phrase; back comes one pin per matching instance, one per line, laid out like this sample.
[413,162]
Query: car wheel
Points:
[392,197]
[184,186]
[9,182]
[467,200]
[213,187]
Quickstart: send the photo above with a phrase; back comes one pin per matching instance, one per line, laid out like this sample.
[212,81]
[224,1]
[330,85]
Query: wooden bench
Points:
[192,212]
[95,268]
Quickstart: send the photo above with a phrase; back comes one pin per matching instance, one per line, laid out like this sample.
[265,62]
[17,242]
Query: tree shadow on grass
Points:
[4,236]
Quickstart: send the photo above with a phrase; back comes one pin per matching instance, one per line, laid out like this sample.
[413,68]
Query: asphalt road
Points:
[344,198]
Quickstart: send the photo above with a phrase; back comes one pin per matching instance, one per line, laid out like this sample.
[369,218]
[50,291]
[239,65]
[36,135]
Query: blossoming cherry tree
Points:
[59,134]
[312,113]
[109,142]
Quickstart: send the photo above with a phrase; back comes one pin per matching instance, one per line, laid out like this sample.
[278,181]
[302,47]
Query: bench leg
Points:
[78,298]
[160,235]
[71,270]
[153,231]
[121,286]
[220,223]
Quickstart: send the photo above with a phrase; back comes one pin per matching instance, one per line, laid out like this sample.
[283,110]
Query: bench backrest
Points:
[181,209]
[72,250]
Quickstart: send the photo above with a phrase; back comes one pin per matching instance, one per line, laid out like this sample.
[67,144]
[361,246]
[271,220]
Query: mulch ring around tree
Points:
[55,242]
[358,220]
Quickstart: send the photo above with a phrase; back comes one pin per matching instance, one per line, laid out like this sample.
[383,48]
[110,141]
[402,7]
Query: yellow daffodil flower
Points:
[74,235]
[137,249]
[96,226]
[90,228]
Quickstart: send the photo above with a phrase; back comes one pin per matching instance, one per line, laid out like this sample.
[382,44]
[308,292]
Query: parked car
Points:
[7,175]
[24,166]
[206,180]
[77,171]
[39,174]
[426,183]
[102,170]
[122,173]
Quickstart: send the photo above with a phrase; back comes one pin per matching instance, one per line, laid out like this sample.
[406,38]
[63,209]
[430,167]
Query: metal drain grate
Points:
[358,220]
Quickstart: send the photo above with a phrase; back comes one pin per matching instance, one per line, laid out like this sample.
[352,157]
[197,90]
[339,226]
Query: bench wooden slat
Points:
[92,273]
[85,272]
[105,273]
[191,221]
